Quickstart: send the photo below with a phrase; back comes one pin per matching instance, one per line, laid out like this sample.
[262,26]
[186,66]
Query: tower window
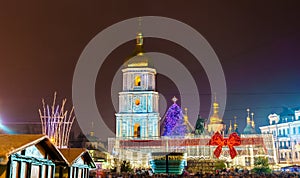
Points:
[137,81]
[137,130]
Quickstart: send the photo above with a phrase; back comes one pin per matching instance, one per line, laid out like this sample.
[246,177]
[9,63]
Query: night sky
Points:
[257,44]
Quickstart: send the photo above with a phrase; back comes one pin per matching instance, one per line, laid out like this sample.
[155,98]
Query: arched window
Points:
[137,130]
[137,81]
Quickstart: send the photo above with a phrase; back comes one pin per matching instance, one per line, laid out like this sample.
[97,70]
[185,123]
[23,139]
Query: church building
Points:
[216,123]
[138,138]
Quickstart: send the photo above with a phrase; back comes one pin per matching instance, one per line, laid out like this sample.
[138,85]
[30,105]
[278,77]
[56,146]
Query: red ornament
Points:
[233,140]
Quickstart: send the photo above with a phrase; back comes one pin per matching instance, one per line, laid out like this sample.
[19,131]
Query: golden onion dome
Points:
[215,119]
[138,57]
[216,104]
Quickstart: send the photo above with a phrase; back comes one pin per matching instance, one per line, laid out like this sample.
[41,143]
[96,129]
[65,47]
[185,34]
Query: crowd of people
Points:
[226,173]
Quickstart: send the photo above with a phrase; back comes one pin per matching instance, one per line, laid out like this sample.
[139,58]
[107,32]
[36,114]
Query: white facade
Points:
[138,115]
[286,131]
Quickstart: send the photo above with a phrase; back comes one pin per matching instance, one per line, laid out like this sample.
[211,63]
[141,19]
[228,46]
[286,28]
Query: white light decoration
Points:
[57,122]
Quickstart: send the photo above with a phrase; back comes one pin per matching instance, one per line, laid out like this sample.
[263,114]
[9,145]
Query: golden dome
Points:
[215,104]
[215,119]
[138,58]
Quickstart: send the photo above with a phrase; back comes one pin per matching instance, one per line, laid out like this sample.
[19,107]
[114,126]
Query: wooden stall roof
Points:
[10,144]
[72,154]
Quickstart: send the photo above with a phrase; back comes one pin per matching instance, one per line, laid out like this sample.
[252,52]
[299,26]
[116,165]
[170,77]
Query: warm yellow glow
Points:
[230,127]
[136,130]
[139,39]
[248,120]
[297,147]
[186,117]
[137,102]
[137,81]
[216,107]
[214,119]
[235,124]
[138,64]
[52,139]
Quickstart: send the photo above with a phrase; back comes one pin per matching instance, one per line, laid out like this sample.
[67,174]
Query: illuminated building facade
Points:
[285,128]
[137,127]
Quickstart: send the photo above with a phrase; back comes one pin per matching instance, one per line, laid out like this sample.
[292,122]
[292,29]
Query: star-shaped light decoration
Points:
[174,99]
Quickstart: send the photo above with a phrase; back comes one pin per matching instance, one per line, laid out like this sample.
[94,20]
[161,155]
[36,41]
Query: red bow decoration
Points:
[233,140]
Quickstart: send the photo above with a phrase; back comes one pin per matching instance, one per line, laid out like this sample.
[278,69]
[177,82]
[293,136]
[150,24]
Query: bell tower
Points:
[138,115]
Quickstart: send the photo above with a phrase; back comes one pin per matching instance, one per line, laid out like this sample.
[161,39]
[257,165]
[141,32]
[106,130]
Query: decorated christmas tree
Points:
[174,121]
